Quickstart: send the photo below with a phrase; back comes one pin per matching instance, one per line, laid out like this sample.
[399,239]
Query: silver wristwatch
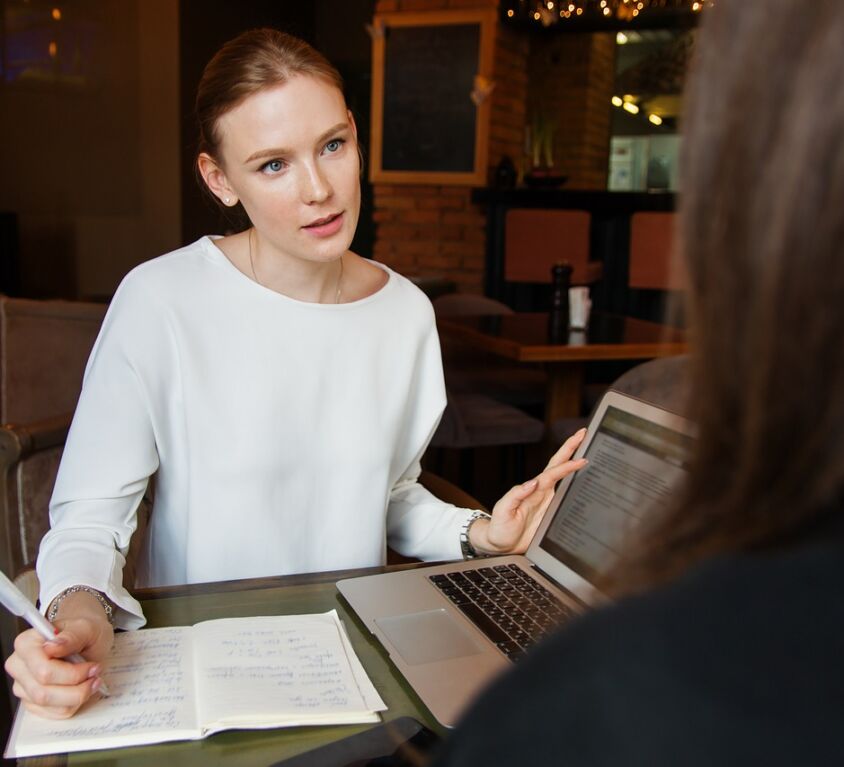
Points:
[466,548]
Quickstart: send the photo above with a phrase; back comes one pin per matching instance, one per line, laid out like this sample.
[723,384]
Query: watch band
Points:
[466,548]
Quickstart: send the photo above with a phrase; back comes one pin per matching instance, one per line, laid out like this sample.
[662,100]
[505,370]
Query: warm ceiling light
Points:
[606,11]
[655,119]
[549,5]
[631,107]
[536,15]
[616,101]
[53,49]
[696,6]
[57,14]
[579,11]
[620,38]
[510,13]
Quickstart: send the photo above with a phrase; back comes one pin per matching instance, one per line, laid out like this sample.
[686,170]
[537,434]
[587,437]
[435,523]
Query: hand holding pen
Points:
[50,680]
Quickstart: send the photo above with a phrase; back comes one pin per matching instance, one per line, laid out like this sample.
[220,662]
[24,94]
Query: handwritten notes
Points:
[185,683]
[270,664]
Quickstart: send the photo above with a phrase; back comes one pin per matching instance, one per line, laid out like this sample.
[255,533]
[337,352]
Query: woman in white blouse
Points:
[281,388]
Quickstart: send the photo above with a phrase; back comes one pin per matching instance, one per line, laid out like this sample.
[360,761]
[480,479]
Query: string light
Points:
[655,119]
[621,10]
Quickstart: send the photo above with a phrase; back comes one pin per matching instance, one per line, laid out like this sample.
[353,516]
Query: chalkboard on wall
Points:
[426,127]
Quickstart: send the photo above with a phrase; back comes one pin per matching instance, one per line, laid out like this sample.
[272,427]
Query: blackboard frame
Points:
[486,21]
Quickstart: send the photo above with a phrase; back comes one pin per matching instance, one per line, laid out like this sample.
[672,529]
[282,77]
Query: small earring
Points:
[227,200]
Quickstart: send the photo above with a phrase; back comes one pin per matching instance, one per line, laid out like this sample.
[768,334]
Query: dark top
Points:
[741,662]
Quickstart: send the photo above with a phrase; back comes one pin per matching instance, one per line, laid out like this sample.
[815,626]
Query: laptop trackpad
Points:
[427,637]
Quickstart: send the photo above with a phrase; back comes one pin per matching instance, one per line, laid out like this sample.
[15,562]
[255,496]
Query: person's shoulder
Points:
[147,291]
[394,292]
[405,290]
[165,268]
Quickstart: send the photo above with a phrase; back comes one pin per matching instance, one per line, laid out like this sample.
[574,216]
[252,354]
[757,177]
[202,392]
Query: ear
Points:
[215,179]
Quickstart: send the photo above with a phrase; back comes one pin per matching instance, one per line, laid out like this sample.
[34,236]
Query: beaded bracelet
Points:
[54,605]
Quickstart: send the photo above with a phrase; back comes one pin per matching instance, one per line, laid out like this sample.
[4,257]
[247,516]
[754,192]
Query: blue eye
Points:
[334,145]
[273,166]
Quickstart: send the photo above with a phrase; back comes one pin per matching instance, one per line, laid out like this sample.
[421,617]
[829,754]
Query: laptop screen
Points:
[635,466]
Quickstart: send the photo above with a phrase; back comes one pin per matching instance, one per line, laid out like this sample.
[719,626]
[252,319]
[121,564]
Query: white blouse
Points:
[285,436]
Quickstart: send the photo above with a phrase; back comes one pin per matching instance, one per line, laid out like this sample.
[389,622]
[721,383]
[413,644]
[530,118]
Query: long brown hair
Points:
[762,235]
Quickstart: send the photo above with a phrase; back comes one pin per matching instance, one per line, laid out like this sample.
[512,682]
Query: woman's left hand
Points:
[516,516]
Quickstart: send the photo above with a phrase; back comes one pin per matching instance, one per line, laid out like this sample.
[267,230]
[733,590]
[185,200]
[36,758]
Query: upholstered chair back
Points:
[44,347]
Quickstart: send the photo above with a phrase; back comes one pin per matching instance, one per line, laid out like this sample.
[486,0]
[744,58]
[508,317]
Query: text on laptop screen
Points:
[635,466]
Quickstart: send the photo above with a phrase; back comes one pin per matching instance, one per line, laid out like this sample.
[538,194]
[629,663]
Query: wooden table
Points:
[312,593]
[526,337]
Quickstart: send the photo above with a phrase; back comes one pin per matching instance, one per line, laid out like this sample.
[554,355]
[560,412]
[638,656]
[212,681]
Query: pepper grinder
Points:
[558,317]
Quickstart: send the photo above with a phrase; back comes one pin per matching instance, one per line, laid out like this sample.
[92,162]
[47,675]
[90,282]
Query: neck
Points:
[310,281]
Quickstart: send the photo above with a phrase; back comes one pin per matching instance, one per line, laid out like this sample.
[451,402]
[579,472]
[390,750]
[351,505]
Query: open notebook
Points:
[184,683]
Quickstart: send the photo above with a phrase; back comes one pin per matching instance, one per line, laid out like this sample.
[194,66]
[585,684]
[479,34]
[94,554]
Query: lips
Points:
[326,226]
[322,221]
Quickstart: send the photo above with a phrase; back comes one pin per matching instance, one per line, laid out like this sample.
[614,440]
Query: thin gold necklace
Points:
[255,274]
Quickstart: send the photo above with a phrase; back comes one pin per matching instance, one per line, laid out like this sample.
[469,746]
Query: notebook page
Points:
[367,689]
[150,677]
[276,671]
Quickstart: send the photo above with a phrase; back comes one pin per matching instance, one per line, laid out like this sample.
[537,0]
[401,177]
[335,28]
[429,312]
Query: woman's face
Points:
[289,153]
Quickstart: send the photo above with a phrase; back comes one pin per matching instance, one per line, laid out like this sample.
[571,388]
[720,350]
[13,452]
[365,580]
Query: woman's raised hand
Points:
[516,516]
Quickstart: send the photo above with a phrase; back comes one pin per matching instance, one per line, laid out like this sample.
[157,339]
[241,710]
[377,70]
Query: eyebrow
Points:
[281,152]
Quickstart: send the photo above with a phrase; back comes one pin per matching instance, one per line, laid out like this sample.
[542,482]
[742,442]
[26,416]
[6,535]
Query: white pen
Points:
[15,601]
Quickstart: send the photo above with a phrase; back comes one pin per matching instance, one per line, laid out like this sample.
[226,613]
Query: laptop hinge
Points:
[569,594]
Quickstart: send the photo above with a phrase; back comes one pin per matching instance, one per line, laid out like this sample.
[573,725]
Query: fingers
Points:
[568,448]
[516,494]
[552,475]
[63,644]
[46,684]
[55,702]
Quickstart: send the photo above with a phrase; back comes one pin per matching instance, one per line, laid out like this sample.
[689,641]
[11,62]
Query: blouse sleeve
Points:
[418,523]
[108,458]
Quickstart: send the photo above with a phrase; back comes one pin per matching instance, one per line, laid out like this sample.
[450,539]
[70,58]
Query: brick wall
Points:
[436,230]
[571,78]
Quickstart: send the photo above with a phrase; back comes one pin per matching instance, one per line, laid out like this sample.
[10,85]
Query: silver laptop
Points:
[450,628]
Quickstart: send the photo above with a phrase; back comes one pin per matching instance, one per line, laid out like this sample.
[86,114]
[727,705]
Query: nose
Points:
[315,186]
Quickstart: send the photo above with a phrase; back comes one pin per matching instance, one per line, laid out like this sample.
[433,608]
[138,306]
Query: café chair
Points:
[473,371]
[535,239]
[472,421]
[663,381]
[44,347]
[655,276]
[29,461]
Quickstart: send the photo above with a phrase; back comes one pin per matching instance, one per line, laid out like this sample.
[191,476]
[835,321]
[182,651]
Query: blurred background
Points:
[97,136]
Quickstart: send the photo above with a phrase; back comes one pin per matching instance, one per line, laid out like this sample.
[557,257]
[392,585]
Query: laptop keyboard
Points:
[505,603]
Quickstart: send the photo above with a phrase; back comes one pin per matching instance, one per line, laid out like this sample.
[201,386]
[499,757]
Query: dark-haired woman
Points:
[725,645]
[282,388]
